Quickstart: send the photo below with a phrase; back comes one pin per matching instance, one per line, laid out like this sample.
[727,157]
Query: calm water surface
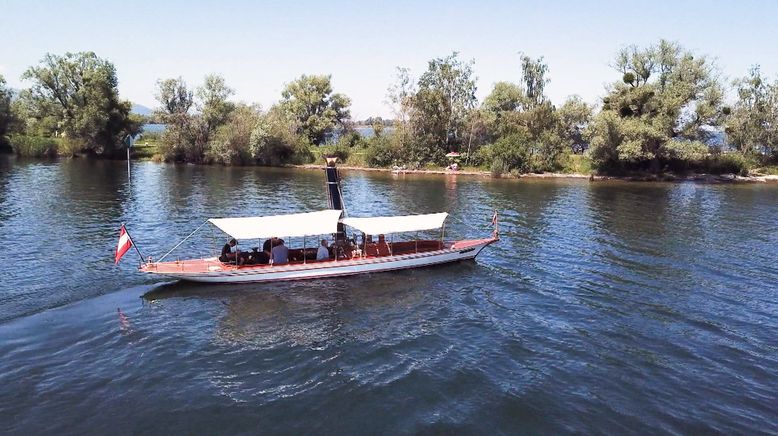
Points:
[607,307]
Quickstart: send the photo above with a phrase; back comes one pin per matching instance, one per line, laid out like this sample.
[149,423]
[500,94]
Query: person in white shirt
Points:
[324,252]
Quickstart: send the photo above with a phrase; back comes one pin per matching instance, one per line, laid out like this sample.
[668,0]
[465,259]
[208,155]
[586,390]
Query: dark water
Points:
[607,307]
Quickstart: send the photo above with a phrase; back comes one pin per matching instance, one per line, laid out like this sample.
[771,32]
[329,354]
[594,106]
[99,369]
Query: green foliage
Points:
[34,146]
[338,150]
[378,126]
[383,152]
[274,140]
[188,135]
[510,153]
[231,142]
[446,94]
[214,107]
[534,78]
[505,97]
[666,93]
[77,94]
[317,111]
[351,139]
[751,125]
[7,117]
[570,163]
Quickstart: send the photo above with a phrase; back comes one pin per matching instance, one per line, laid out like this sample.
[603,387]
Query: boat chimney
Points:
[334,193]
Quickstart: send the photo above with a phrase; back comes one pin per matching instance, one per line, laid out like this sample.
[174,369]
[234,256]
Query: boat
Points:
[360,245]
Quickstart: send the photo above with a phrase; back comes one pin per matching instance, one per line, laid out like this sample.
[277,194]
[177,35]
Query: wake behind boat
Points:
[358,245]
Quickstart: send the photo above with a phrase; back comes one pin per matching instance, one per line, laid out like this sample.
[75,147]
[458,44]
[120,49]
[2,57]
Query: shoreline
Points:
[665,177]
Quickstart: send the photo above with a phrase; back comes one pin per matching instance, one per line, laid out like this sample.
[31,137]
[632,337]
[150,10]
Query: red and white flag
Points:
[125,243]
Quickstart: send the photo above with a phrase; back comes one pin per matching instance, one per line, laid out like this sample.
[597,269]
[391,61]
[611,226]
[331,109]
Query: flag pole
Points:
[133,242]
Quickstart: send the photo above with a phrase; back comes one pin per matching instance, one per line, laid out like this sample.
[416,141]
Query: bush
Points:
[383,152]
[726,163]
[340,151]
[352,139]
[510,153]
[34,146]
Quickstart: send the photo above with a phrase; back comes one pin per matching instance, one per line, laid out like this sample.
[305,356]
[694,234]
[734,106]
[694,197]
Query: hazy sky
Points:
[259,46]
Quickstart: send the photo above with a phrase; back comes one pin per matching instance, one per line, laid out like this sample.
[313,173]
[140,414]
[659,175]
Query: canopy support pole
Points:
[182,241]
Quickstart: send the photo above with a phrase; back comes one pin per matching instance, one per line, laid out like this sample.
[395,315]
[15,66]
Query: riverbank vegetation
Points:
[665,109]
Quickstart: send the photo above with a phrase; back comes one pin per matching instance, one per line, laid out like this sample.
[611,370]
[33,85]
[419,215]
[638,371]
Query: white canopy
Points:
[292,225]
[396,224]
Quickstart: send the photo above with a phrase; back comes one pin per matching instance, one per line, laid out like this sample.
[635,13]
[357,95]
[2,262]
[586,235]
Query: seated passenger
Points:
[323,253]
[260,257]
[269,244]
[230,253]
[280,253]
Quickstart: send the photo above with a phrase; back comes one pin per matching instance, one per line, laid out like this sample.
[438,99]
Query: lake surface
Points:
[607,307]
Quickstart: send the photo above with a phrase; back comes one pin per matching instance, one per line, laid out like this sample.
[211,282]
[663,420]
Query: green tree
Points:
[752,125]
[6,115]
[317,112]
[574,117]
[79,91]
[665,93]
[275,140]
[533,74]
[214,106]
[445,96]
[230,144]
[505,97]
[183,128]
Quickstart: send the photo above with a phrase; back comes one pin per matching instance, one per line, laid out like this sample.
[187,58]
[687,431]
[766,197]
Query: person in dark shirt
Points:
[267,247]
[230,253]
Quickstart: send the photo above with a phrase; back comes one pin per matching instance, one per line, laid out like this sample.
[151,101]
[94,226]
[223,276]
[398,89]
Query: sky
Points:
[259,46]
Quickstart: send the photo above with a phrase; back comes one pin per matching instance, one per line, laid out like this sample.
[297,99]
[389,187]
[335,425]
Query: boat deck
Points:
[374,252]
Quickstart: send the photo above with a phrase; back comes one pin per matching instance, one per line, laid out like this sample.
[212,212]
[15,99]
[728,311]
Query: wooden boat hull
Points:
[213,271]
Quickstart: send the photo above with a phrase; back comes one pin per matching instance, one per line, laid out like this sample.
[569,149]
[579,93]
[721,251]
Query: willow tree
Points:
[318,111]
[753,123]
[80,91]
[6,116]
[445,96]
[667,100]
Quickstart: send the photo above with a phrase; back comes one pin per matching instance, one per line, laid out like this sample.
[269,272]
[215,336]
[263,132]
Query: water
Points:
[607,307]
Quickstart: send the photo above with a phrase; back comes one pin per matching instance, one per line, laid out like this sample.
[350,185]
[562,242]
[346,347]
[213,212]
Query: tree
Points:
[309,100]
[505,97]
[400,95]
[6,115]
[533,74]
[174,97]
[665,93]
[752,125]
[231,142]
[574,116]
[79,91]
[445,96]
[182,139]
[188,134]
[214,107]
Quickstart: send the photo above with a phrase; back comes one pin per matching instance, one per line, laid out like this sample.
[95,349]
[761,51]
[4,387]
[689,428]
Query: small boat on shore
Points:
[359,245]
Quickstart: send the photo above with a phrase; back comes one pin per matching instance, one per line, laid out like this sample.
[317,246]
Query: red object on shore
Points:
[125,243]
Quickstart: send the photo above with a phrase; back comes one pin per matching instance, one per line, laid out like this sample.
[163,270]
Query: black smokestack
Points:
[334,194]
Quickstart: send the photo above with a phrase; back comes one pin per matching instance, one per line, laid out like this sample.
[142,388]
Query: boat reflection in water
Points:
[319,313]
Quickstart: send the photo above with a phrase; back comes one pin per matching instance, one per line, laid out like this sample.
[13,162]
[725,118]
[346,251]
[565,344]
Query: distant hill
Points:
[141,110]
